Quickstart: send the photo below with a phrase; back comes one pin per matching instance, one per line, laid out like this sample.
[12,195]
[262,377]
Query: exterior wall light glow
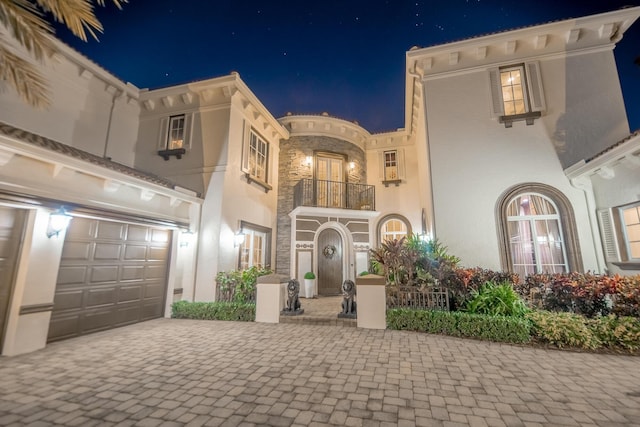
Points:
[186,238]
[352,165]
[58,221]
[238,238]
[309,160]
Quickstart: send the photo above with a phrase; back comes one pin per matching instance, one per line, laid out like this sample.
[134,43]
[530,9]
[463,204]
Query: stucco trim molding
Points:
[36,308]
[567,219]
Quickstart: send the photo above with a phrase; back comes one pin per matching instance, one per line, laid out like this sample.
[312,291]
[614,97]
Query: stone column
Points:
[372,302]
[270,297]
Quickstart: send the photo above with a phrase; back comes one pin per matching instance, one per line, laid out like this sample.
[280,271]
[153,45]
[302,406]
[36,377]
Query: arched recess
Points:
[566,217]
[387,219]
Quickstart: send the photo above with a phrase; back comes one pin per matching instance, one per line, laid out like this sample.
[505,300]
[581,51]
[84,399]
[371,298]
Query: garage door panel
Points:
[158,253]
[135,253]
[102,274]
[111,230]
[102,296]
[107,251]
[132,273]
[137,233]
[82,228]
[68,299]
[130,293]
[71,275]
[76,251]
[112,274]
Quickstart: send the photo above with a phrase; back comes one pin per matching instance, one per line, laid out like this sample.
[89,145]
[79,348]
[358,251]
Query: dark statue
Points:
[292,305]
[348,301]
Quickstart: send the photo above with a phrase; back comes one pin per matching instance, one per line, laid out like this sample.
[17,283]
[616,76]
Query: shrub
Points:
[626,297]
[463,281]
[496,300]
[562,329]
[213,311]
[494,328]
[617,332]
[309,275]
[238,286]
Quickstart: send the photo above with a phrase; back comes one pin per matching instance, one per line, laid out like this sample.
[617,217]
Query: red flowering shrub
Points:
[461,282]
[626,298]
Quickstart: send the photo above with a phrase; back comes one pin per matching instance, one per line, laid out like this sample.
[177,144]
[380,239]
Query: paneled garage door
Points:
[111,274]
[11,227]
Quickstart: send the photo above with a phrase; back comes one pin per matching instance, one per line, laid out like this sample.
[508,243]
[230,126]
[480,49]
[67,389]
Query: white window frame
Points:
[382,233]
[615,236]
[176,124]
[248,246]
[256,149]
[165,131]
[400,167]
[533,92]
[390,165]
[625,228]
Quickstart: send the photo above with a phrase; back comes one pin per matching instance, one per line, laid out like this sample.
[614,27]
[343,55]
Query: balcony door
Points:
[330,180]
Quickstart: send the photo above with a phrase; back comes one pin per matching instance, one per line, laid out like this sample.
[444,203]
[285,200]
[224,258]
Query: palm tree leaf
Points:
[77,15]
[25,23]
[23,77]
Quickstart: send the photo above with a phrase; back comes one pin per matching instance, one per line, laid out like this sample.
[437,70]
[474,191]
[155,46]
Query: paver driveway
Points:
[177,372]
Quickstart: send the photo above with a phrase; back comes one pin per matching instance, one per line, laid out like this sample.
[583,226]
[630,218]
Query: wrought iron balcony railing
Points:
[333,194]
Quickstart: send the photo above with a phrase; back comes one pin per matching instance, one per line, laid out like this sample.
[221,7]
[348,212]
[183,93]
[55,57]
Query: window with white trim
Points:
[517,93]
[390,165]
[392,168]
[393,227]
[255,251]
[255,159]
[631,220]
[175,135]
[175,138]
[536,239]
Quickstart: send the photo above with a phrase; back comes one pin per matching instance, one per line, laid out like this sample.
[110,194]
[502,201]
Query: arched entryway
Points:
[330,262]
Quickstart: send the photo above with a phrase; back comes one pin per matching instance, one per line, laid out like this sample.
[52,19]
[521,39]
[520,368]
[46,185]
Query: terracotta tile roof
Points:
[49,144]
[617,144]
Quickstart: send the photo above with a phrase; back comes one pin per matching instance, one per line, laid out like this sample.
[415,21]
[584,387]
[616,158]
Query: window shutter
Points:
[188,130]
[497,107]
[608,234]
[381,165]
[401,166]
[534,83]
[246,135]
[163,133]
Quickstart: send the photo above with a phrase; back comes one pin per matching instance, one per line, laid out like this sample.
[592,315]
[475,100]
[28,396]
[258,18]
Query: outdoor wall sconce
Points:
[309,161]
[238,238]
[186,238]
[352,165]
[58,221]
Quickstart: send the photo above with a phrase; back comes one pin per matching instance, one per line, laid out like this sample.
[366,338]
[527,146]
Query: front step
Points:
[319,320]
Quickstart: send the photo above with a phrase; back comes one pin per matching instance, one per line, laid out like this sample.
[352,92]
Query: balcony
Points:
[333,194]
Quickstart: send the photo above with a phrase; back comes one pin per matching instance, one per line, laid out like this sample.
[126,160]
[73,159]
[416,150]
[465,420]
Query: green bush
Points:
[238,286]
[563,329]
[309,275]
[617,332]
[214,311]
[494,328]
[496,300]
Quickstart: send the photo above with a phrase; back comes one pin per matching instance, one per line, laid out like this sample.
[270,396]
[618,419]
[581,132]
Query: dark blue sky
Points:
[343,57]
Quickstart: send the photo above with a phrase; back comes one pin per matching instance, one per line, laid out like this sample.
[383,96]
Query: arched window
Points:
[537,231]
[393,227]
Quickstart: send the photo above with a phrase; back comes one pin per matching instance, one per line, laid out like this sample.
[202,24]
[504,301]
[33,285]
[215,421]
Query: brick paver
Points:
[169,372]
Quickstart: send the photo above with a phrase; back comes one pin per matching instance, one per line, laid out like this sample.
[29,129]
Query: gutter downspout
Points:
[430,220]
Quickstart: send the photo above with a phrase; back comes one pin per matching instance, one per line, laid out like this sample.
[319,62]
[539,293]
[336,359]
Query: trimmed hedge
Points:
[214,311]
[460,324]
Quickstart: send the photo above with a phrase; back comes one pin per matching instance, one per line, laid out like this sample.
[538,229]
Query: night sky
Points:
[344,57]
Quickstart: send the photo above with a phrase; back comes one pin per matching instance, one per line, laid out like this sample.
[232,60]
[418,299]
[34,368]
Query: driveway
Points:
[181,372]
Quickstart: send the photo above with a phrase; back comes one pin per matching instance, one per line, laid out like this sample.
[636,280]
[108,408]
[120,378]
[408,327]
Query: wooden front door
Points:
[329,266]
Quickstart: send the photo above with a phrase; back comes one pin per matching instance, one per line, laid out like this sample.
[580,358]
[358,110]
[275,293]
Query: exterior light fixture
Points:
[238,238]
[58,221]
[186,238]
[352,165]
[309,160]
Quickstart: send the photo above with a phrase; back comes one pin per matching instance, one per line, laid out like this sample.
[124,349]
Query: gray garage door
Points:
[11,227]
[111,274]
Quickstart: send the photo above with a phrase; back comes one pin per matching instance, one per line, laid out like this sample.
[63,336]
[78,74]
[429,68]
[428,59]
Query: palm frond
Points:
[26,25]
[23,77]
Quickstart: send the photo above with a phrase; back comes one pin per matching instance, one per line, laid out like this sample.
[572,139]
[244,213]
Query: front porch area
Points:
[320,311]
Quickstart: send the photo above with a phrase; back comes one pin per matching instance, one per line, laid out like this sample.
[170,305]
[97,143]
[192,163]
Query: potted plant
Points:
[309,284]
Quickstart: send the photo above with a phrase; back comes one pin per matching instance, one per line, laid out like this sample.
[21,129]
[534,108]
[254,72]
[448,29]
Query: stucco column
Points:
[270,296]
[372,302]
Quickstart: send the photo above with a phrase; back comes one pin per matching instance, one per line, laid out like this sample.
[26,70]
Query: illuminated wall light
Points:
[58,221]
[352,165]
[186,238]
[238,238]
[308,161]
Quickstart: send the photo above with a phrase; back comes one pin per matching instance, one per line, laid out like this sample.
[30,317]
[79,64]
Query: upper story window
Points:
[255,159]
[517,93]
[392,167]
[174,135]
[631,218]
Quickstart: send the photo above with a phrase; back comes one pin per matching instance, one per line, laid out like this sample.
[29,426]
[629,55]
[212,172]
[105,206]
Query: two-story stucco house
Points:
[515,153]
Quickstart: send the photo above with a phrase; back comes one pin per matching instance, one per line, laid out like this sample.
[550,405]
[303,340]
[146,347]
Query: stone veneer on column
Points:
[292,168]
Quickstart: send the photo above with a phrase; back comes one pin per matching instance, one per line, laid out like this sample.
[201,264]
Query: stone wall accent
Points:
[292,168]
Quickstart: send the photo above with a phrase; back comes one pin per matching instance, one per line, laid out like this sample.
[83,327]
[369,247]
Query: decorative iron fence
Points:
[334,194]
[411,297]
